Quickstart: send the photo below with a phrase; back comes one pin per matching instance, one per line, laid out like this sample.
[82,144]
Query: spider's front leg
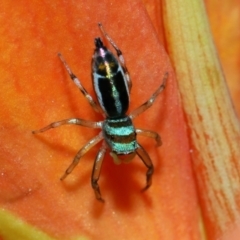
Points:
[85,148]
[151,134]
[148,163]
[96,172]
[81,152]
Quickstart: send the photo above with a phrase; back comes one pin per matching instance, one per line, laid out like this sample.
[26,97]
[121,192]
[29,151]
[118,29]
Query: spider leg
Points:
[78,83]
[119,54]
[75,121]
[96,172]
[148,163]
[151,100]
[81,152]
[151,134]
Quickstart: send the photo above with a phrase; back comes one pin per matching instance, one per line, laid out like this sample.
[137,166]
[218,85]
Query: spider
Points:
[112,85]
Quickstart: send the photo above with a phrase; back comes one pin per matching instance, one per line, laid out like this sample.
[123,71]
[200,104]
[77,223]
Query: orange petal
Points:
[36,90]
[224,19]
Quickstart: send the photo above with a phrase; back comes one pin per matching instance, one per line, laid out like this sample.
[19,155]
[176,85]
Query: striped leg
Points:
[148,163]
[96,172]
[81,152]
[119,54]
[151,100]
[75,121]
[78,83]
[151,134]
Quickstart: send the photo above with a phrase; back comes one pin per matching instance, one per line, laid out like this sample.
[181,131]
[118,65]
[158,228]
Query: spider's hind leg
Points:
[151,100]
[78,83]
[119,54]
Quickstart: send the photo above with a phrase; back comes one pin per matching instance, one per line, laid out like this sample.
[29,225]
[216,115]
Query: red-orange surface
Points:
[35,90]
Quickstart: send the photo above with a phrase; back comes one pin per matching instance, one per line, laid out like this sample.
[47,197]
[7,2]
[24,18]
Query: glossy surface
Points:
[109,82]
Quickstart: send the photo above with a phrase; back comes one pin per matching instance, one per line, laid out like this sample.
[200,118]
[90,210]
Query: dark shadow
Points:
[118,185]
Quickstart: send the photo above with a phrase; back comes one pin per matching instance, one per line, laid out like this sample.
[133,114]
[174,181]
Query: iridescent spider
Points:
[112,86]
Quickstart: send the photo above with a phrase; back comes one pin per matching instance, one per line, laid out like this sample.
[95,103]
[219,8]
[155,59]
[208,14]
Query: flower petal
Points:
[213,125]
[36,90]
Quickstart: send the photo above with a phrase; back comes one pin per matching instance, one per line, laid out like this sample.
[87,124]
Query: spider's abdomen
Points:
[120,135]
[109,82]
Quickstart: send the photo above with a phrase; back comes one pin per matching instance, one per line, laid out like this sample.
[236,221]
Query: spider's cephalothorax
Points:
[112,86]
